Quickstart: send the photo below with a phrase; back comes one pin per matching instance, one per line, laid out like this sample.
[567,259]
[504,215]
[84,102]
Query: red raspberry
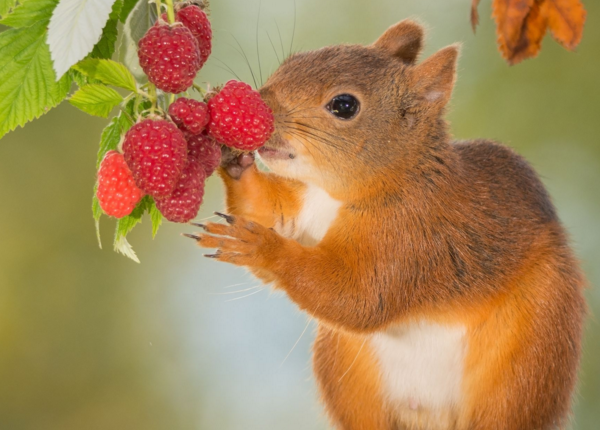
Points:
[239,117]
[189,115]
[117,192]
[206,150]
[184,203]
[156,153]
[169,55]
[196,20]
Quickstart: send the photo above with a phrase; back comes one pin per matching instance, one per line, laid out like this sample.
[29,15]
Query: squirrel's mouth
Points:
[277,149]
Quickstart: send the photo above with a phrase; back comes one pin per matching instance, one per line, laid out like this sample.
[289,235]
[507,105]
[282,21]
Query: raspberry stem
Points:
[158,6]
[199,89]
[152,96]
[170,11]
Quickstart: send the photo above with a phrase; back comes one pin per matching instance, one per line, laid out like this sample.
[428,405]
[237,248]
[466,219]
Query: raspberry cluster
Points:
[172,54]
[170,156]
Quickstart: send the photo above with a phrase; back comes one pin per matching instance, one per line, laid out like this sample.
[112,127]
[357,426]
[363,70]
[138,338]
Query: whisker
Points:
[293,30]
[273,46]
[353,361]
[295,344]
[324,140]
[280,40]
[247,61]
[237,285]
[258,50]
[301,139]
[367,149]
[243,297]
[234,292]
[229,69]
[207,218]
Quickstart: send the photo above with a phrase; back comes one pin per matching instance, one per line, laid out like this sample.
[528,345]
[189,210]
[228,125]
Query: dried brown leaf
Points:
[510,16]
[474,15]
[532,33]
[566,19]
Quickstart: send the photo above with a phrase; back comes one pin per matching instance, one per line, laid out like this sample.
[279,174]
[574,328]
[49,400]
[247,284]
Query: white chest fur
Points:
[422,365]
[318,212]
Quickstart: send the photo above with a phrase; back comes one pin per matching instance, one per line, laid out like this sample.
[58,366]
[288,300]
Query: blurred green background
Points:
[91,340]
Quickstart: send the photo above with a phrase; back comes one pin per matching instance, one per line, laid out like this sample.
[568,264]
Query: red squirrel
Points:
[445,291]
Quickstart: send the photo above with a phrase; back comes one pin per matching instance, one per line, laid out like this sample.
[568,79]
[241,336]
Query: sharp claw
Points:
[227,218]
[197,224]
[191,236]
[211,255]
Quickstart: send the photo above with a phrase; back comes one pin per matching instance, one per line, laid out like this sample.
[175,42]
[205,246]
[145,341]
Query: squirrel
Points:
[442,281]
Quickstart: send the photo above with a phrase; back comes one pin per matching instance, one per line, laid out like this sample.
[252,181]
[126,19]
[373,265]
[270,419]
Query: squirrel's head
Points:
[349,113]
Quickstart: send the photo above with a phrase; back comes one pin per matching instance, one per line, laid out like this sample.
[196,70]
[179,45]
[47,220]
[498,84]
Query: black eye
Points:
[343,106]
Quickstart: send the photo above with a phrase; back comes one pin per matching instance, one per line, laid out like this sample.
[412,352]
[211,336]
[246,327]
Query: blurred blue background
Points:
[89,339]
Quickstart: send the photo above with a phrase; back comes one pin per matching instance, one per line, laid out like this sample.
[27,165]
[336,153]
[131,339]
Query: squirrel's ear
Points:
[435,76]
[403,40]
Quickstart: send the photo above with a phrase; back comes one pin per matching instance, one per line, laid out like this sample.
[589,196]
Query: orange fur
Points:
[451,233]
[261,197]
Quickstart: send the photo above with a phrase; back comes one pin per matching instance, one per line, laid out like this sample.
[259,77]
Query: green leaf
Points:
[107,71]
[74,30]
[6,6]
[30,12]
[28,86]
[96,99]
[126,224]
[128,6]
[105,48]
[80,79]
[156,218]
[111,136]
[122,246]
[97,212]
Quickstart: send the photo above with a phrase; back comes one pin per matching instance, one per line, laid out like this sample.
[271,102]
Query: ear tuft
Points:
[403,40]
[436,75]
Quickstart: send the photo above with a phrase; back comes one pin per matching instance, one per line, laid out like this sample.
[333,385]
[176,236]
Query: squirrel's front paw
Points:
[241,242]
[234,163]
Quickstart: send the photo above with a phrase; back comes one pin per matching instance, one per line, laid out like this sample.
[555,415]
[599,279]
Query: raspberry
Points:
[169,55]
[206,150]
[183,204]
[117,192]
[156,153]
[239,117]
[189,115]
[197,22]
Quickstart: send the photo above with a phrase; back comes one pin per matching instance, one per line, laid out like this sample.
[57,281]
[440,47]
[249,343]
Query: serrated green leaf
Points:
[74,29]
[128,6]
[30,12]
[122,246]
[105,48]
[126,224]
[97,213]
[96,99]
[156,218]
[5,6]
[111,136]
[80,79]
[107,71]
[28,86]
